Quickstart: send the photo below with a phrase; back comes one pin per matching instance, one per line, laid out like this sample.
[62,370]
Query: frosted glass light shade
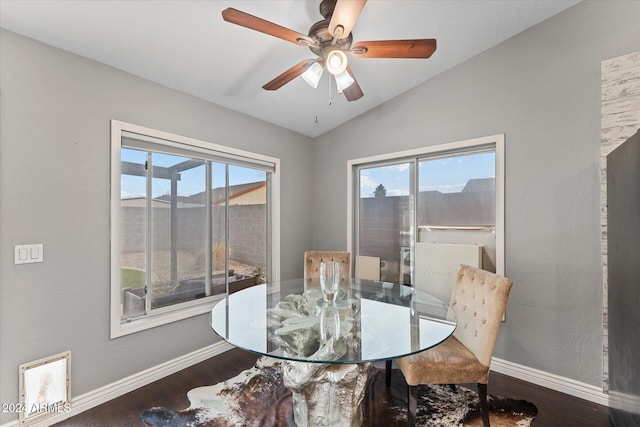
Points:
[343,81]
[336,62]
[313,74]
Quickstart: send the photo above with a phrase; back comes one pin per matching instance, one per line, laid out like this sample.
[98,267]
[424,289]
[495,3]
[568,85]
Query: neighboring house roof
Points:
[134,202]
[238,191]
[217,196]
[480,184]
[167,198]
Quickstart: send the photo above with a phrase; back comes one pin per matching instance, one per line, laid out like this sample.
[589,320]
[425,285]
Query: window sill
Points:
[171,314]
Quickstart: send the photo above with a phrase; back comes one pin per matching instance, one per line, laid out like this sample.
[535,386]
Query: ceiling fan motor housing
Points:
[319,32]
[327,7]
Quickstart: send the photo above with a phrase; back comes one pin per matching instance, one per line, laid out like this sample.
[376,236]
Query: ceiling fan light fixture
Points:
[330,40]
[343,81]
[313,74]
[336,62]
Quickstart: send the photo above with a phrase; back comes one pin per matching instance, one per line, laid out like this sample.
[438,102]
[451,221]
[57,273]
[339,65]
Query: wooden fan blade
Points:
[288,75]
[419,48]
[353,92]
[345,15]
[258,24]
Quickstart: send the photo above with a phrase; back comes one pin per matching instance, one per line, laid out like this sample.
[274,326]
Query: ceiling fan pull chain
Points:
[329,74]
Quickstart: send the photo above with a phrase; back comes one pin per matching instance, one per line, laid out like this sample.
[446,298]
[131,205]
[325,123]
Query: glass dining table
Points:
[327,347]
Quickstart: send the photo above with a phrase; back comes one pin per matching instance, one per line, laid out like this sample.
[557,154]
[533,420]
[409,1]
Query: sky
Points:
[192,181]
[445,174]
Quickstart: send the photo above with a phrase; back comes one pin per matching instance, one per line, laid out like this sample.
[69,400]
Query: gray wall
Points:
[542,89]
[55,117]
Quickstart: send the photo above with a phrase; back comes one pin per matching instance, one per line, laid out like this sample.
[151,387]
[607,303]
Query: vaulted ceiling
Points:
[186,45]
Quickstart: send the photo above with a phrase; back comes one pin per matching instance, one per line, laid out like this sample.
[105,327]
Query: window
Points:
[450,194]
[191,221]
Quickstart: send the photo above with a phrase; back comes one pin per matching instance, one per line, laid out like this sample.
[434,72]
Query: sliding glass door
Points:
[386,217]
[457,201]
[426,211]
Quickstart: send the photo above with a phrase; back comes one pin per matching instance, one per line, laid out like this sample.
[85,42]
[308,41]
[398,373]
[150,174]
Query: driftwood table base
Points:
[326,394]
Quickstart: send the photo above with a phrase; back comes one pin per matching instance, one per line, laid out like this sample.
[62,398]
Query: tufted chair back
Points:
[312,260]
[479,299]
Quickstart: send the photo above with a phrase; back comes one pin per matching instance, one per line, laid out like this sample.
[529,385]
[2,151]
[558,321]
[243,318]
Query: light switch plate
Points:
[27,254]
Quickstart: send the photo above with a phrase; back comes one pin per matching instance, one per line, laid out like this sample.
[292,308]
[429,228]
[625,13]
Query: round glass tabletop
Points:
[368,321]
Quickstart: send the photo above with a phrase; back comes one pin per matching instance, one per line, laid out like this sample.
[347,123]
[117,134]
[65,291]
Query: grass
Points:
[132,278]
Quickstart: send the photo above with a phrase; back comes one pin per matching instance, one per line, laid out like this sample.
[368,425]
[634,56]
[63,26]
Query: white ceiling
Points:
[186,45]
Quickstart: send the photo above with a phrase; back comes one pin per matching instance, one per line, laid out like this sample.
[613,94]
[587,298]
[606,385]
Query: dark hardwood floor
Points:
[554,409]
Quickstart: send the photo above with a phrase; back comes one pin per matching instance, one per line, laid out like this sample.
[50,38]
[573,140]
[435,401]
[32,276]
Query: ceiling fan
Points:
[330,40]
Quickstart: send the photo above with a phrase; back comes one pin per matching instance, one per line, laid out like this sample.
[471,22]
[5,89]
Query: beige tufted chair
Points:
[479,299]
[312,261]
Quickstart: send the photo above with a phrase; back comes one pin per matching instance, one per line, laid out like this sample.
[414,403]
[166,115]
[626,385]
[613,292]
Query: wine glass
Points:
[329,279]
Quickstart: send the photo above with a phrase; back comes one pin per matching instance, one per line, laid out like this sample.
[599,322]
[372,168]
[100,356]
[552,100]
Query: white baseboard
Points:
[554,382]
[118,388]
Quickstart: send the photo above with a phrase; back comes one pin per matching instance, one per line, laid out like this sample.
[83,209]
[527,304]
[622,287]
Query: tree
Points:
[380,191]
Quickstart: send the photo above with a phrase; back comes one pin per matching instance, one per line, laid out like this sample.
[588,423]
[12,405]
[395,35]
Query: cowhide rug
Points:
[257,397]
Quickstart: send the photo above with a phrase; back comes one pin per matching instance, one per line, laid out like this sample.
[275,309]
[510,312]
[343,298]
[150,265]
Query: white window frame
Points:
[495,141]
[200,306]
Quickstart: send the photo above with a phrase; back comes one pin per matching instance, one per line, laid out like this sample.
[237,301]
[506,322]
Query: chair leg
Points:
[484,406]
[412,404]
[387,373]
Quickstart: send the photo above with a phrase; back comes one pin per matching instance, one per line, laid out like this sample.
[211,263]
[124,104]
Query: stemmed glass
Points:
[329,279]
